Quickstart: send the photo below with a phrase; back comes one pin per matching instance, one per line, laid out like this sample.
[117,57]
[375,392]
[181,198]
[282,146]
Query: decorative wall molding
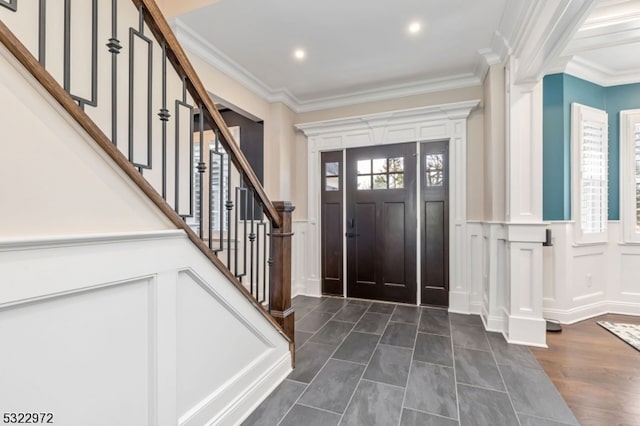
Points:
[448,121]
[581,281]
[131,289]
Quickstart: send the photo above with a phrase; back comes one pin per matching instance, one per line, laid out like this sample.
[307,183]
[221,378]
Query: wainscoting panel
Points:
[142,322]
[69,354]
[583,281]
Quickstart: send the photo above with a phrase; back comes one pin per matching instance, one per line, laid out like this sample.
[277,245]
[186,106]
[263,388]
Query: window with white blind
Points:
[589,137]
[630,174]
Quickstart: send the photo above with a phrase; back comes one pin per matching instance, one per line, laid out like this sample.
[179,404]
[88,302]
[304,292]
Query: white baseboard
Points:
[459,302]
[581,313]
[244,404]
[492,322]
[527,331]
[475,308]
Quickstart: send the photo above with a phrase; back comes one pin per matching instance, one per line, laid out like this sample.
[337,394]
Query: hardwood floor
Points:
[597,373]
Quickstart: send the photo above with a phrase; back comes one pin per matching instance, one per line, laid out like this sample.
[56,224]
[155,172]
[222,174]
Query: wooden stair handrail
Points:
[24,56]
[158,24]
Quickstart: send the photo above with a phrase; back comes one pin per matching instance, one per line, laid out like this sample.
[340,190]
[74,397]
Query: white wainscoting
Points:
[502,279]
[303,282]
[130,329]
[583,281]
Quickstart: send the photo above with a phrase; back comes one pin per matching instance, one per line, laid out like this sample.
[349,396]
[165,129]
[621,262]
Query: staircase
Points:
[115,70]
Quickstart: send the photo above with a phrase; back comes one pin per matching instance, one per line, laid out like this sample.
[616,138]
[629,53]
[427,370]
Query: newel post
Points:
[280,280]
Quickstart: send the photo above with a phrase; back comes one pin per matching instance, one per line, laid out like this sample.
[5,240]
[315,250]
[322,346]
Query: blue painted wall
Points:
[559,91]
[555,180]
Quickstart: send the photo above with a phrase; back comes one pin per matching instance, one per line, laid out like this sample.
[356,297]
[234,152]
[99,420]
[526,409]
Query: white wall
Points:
[53,179]
[130,329]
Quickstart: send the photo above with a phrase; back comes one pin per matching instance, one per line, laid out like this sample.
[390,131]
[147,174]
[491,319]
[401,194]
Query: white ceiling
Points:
[360,50]
[355,49]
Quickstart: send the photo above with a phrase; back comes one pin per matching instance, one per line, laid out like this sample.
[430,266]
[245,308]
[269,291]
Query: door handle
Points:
[351,235]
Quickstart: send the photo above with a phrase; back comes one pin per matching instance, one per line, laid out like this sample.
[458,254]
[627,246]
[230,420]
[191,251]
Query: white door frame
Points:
[432,123]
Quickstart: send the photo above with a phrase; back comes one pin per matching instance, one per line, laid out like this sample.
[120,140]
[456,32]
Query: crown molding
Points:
[452,111]
[391,92]
[613,34]
[600,74]
[487,58]
[197,45]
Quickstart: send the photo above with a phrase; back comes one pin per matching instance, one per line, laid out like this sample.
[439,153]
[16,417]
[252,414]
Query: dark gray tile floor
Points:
[369,363]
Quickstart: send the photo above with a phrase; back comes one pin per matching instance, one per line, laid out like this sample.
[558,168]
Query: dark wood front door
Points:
[381,222]
[434,214]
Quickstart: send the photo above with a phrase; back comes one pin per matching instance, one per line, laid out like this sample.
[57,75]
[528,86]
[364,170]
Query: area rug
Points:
[630,333]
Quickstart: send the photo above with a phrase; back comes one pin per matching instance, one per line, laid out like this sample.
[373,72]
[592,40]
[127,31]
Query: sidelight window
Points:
[380,173]
[332,176]
[434,169]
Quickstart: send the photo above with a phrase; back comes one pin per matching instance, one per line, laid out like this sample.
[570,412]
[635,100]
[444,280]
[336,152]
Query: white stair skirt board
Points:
[147,316]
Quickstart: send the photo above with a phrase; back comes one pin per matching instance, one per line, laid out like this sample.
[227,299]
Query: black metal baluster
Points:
[114,47]
[244,220]
[221,215]
[229,207]
[235,242]
[140,34]
[264,263]
[93,101]
[267,277]
[252,239]
[67,47]
[201,169]
[42,30]
[178,104]
[258,225]
[212,200]
[164,117]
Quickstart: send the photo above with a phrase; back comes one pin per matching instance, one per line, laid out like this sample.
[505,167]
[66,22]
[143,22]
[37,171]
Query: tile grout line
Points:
[321,368]
[493,355]
[455,373]
[413,351]
[434,414]
[360,380]
[367,365]
[315,375]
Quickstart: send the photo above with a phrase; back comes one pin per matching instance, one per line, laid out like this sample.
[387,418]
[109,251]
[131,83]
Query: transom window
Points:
[380,173]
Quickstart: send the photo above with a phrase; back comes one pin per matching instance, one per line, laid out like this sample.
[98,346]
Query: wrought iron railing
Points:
[121,64]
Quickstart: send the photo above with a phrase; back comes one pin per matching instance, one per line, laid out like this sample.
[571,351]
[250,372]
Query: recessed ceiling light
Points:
[414,27]
[299,54]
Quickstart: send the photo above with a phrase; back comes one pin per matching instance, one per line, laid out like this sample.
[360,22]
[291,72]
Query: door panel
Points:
[331,229]
[435,223]
[394,214]
[381,222]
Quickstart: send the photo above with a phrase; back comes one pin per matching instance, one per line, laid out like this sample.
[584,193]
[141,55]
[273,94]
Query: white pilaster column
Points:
[524,226]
